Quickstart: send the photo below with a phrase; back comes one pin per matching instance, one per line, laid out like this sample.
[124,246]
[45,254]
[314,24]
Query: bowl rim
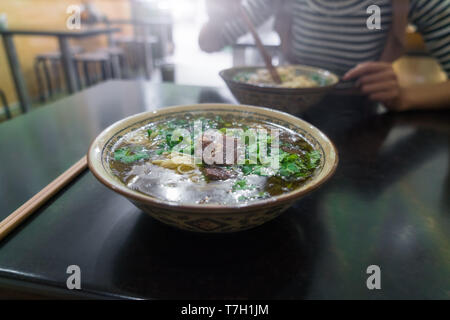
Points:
[95,154]
[272,89]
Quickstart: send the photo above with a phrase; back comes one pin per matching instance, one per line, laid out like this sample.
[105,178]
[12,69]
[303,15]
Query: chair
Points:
[96,66]
[50,64]
[5,104]
[138,53]
[41,62]
[117,60]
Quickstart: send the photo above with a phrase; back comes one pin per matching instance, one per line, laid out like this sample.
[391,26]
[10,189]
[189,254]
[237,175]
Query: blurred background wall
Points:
[44,14]
[193,66]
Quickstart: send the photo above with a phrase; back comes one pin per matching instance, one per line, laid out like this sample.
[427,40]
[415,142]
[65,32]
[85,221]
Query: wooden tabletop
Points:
[388,205]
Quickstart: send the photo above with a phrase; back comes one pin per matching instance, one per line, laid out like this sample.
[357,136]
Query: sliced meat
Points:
[288,138]
[292,150]
[207,140]
[293,144]
[216,173]
[221,143]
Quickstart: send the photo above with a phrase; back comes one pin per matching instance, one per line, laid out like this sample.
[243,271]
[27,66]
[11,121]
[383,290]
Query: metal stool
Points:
[50,63]
[41,61]
[117,60]
[138,52]
[5,104]
[96,66]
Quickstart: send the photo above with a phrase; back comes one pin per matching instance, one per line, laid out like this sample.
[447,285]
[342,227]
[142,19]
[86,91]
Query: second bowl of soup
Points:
[212,167]
[301,87]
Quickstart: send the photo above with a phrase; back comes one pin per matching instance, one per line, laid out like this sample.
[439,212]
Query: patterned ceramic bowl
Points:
[212,217]
[291,100]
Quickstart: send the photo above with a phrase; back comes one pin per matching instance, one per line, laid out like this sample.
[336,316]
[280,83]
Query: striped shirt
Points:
[333,34]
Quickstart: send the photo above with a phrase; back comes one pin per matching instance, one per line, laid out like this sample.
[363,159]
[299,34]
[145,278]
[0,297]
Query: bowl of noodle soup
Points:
[169,163]
[301,87]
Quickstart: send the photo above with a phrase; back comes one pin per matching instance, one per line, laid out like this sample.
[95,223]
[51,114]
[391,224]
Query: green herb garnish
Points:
[240,185]
[128,155]
[312,159]
[243,198]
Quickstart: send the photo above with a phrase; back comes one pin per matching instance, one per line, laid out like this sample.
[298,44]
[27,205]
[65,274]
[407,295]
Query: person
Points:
[90,14]
[335,35]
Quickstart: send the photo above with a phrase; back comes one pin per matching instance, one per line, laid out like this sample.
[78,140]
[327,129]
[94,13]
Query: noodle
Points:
[288,75]
[182,163]
[183,168]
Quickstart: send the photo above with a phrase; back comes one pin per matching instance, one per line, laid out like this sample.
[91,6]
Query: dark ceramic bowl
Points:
[291,100]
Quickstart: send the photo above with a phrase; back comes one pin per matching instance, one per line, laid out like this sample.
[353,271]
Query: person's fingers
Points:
[378,87]
[365,68]
[377,77]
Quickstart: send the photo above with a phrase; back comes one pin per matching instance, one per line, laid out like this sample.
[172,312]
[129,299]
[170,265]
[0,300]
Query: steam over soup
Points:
[212,159]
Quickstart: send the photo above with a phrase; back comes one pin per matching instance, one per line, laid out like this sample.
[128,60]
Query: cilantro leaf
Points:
[312,159]
[240,185]
[247,169]
[243,198]
[129,155]
[243,185]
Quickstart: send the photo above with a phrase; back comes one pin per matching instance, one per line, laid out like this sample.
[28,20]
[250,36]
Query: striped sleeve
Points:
[432,18]
[258,11]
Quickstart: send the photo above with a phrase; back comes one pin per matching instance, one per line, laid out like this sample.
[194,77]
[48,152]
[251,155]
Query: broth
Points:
[198,160]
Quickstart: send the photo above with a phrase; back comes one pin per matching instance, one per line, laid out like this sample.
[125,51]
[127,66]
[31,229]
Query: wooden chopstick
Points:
[267,58]
[24,211]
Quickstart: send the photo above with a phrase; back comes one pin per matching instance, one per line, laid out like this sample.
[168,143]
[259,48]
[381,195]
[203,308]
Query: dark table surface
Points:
[155,21]
[81,33]
[388,205]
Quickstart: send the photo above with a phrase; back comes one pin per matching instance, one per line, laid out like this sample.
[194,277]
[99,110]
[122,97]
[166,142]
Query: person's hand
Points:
[379,82]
